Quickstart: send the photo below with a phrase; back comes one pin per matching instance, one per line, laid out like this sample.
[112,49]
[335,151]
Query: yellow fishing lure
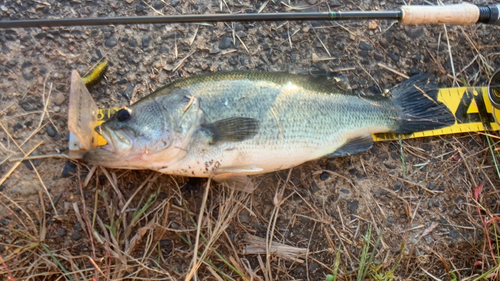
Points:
[95,75]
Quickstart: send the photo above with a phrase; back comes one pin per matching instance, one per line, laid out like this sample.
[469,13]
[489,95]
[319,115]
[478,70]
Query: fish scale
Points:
[293,119]
[231,124]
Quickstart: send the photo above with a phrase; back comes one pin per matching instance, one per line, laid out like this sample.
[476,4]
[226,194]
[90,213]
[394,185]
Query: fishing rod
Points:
[456,14]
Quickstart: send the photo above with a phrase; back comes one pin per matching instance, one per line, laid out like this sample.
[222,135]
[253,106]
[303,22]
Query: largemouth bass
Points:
[232,124]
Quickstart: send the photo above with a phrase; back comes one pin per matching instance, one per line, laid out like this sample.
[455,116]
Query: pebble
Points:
[132,43]
[431,186]
[378,56]
[238,26]
[395,155]
[324,176]
[76,235]
[60,232]
[26,64]
[122,81]
[397,185]
[436,46]
[428,239]
[77,227]
[68,170]
[5,49]
[414,32]
[453,234]
[172,35]
[158,5]
[127,93]
[17,127]
[384,43]
[345,191]
[381,192]
[360,176]
[430,204]
[11,63]
[232,62]
[146,41]
[174,3]
[98,53]
[372,24]
[40,35]
[27,74]
[363,53]
[59,98]
[111,42]
[51,131]
[376,91]
[2,248]
[30,104]
[394,57]
[414,71]
[2,187]
[365,46]
[4,221]
[165,242]
[311,2]
[241,34]
[139,8]
[225,42]
[129,1]
[353,206]
[11,37]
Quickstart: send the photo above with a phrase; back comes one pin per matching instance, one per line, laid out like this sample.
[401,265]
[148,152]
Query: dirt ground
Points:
[416,209]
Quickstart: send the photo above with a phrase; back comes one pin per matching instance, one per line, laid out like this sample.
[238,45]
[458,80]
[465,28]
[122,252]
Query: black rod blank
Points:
[462,14]
[334,15]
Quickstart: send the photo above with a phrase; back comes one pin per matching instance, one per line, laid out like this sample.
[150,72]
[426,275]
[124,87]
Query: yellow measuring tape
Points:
[469,105]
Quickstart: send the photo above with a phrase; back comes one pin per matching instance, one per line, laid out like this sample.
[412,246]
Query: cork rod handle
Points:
[460,14]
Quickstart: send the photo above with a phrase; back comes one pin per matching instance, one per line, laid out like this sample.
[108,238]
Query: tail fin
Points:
[418,108]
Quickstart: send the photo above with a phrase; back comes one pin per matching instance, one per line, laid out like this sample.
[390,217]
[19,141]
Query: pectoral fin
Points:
[353,146]
[231,129]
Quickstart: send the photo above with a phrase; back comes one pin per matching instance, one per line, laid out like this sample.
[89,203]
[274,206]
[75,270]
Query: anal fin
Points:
[353,146]
[248,169]
[238,182]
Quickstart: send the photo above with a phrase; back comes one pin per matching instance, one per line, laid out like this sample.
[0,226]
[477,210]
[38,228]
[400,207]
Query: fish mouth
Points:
[118,141]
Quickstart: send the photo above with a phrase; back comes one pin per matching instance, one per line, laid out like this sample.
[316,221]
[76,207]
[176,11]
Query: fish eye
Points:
[123,114]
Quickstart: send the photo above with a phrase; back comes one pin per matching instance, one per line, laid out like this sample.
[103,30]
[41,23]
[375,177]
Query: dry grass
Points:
[319,221]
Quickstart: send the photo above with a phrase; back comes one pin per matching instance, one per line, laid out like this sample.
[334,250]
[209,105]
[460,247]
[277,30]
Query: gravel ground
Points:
[60,216]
